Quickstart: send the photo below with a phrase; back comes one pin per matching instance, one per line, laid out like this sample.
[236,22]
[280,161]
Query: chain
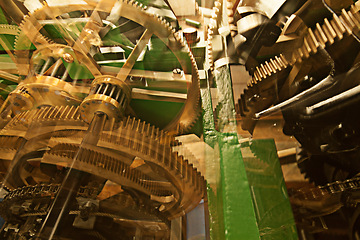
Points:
[342,186]
[325,191]
[50,191]
[44,190]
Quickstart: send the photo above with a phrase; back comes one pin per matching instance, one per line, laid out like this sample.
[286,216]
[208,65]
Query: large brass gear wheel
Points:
[136,157]
[128,180]
[32,27]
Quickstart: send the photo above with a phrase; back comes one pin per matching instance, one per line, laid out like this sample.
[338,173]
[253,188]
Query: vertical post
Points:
[243,204]
[231,208]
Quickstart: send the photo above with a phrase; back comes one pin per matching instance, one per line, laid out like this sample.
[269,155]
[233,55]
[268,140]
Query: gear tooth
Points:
[136,3]
[256,77]
[301,53]
[275,65]
[347,21]
[355,12]
[305,51]
[217,4]
[284,61]
[167,24]
[263,71]
[320,35]
[329,30]
[335,27]
[213,15]
[259,73]
[267,70]
[307,47]
[314,44]
[270,68]
[354,19]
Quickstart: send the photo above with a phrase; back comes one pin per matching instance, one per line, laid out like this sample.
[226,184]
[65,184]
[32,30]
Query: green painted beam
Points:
[230,205]
[239,207]
[272,207]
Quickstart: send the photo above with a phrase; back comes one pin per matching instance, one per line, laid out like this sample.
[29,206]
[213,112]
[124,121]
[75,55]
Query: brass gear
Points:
[132,10]
[132,138]
[9,30]
[42,143]
[272,73]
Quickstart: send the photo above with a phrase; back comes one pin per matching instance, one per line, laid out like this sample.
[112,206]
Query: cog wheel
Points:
[91,71]
[32,28]
[13,30]
[265,87]
[318,170]
[135,156]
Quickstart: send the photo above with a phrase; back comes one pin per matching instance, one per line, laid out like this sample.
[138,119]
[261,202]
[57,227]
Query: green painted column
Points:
[239,206]
[231,210]
[271,203]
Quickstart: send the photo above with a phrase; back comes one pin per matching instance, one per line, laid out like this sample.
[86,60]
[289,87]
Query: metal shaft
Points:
[71,183]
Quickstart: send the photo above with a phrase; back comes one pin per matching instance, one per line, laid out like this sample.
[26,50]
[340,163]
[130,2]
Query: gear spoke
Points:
[131,60]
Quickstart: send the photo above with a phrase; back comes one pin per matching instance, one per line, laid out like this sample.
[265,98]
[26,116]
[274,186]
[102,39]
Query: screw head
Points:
[68,58]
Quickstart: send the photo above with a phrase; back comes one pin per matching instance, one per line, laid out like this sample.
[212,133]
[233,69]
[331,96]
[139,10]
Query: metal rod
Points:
[334,100]
[106,88]
[134,55]
[66,74]
[118,95]
[328,81]
[56,67]
[47,63]
[112,91]
[71,183]
[13,10]
[99,89]
[122,99]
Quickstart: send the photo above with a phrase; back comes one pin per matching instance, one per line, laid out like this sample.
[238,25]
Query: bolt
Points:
[191,35]
[68,58]
[86,209]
